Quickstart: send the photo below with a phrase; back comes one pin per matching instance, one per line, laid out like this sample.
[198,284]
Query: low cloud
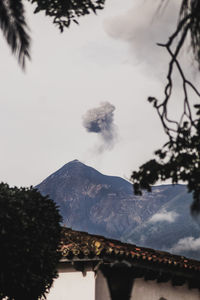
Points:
[186,244]
[100,120]
[165,216]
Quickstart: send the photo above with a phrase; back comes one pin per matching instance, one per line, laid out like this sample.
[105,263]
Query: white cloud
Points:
[167,216]
[188,243]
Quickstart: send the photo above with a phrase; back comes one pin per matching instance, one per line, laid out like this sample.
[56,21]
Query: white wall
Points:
[73,286]
[101,288]
[151,290]
[148,290]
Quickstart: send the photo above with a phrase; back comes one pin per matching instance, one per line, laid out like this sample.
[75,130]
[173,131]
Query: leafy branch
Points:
[179,158]
[63,12]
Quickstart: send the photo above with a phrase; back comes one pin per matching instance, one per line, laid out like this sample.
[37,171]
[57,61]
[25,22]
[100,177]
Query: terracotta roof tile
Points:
[76,244]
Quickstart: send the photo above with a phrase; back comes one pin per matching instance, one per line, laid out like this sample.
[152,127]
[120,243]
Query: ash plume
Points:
[100,120]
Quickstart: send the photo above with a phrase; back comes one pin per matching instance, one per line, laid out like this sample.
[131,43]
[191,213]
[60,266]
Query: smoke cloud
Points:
[100,120]
[144,25]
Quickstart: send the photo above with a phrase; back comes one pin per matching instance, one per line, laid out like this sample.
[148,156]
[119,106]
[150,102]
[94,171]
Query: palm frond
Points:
[191,8]
[13,25]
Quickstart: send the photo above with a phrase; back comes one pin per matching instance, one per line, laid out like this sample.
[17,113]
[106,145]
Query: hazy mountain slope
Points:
[105,205]
[171,224]
[159,229]
[98,203]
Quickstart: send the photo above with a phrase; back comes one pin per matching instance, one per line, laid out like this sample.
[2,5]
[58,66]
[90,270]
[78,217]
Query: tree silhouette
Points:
[179,158]
[30,235]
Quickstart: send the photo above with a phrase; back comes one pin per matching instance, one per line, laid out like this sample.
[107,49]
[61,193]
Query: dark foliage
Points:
[13,25]
[179,158]
[29,239]
[65,11]
[190,12]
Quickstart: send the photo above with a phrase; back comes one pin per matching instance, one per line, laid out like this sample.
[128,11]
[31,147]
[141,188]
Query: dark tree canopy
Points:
[179,158]
[30,235]
[65,11]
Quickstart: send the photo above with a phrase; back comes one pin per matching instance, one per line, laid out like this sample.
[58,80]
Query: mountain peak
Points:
[73,165]
[74,161]
[99,204]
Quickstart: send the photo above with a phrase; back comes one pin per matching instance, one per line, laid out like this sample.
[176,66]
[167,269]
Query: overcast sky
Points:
[112,58]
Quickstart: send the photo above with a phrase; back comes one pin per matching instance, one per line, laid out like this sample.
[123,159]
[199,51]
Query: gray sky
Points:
[111,58]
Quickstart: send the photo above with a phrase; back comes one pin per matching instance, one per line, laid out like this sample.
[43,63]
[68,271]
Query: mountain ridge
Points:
[103,204]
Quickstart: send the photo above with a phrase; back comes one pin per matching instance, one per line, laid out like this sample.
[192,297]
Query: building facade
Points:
[127,272]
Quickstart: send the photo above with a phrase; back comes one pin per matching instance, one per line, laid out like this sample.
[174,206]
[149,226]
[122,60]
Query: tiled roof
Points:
[77,245]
